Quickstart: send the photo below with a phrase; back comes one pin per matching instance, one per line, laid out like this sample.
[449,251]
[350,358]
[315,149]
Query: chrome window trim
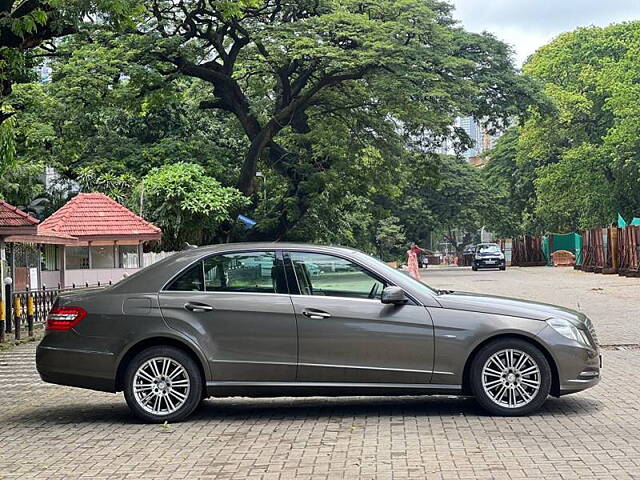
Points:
[312,249]
[198,292]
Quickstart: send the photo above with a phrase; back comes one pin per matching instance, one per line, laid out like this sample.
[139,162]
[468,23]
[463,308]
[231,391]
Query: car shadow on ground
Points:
[317,408]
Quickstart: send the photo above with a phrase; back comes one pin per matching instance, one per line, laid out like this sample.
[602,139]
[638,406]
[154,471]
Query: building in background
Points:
[482,139]
[91,240]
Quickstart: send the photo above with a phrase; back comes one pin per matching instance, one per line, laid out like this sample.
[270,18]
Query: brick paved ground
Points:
[612,302]
[56,432]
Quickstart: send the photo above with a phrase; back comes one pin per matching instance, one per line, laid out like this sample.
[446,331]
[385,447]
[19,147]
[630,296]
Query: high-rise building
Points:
[482,140]
[473,129]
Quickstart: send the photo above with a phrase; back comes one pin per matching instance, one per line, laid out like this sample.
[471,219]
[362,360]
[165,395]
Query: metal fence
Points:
[25,310]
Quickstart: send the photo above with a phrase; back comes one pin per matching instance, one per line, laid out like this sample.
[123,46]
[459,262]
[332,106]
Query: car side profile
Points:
[251,320]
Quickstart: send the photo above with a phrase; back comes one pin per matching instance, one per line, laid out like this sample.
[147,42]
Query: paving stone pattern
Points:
[49,431]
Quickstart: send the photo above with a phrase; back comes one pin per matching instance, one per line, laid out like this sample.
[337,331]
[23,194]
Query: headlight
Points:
[569,330]
[478,257]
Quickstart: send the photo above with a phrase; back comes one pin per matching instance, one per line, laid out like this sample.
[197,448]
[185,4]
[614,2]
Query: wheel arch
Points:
[157,341]
[555,377]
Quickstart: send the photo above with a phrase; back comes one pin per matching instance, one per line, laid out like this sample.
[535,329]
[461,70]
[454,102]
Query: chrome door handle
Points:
[315,314]
[198,307]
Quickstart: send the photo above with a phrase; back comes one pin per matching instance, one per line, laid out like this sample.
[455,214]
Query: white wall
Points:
[153,257]
[104,275]
[50,278]
[92,277]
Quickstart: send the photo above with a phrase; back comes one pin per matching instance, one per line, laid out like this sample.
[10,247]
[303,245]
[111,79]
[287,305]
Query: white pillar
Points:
[62,258]
[140,256]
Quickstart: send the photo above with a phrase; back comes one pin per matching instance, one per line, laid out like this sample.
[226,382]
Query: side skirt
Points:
[325,389]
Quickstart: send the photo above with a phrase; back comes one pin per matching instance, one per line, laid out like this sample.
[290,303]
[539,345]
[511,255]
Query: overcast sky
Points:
[529,24]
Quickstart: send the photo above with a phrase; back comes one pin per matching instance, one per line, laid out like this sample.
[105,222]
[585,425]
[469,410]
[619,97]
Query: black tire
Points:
[191,371]
[488,402]
[503,268]
[474,268]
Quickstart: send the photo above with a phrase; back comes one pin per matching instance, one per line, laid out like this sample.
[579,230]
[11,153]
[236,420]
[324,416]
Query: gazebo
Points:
[91,240]
[107,243]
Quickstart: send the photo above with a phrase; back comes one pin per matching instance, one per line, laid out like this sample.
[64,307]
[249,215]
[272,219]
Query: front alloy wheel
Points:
[511,377]
[163,384]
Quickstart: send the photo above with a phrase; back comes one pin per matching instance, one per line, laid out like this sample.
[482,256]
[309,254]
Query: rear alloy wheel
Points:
[510,377]
[162,384]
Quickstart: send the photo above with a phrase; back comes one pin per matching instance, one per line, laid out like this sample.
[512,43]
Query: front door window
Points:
[327,275]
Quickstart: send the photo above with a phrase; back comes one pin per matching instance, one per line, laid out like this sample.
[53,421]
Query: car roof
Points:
[266,246]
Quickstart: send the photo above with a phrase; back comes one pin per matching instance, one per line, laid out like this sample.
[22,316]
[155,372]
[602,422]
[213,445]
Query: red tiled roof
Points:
[42,235]
[11,216]
[95,215]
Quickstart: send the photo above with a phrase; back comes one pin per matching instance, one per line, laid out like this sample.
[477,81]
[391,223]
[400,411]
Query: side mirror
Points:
[394,296]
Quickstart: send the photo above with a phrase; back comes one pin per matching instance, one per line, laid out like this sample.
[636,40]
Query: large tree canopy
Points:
[27,24]
[337,103]
[580,165]
[283,69]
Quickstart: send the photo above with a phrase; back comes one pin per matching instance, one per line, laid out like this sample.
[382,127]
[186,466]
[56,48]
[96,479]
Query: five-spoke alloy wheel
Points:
[510,377]
[162,384]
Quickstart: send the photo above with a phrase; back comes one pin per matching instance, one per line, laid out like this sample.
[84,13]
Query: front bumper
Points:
[489,263]
[578,367]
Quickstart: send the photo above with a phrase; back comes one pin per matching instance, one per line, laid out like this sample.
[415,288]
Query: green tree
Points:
[577,165]
[28,24]
[452,199]
[104,112]
[511,185]
[331,100]
[285,69]
[390,238]
[187,204]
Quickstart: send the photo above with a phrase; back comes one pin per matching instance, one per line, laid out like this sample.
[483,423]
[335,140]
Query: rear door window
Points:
[191,280]
[250,272]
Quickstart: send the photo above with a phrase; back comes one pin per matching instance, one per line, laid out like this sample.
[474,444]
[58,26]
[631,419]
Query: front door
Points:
[346,334]
[238,309]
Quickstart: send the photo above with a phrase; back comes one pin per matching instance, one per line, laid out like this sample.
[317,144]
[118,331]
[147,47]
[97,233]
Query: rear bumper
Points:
[76,368]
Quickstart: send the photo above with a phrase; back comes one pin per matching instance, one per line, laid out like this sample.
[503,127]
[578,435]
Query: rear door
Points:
[237,307]
[346,334]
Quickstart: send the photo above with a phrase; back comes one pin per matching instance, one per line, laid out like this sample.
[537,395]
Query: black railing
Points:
[26,309]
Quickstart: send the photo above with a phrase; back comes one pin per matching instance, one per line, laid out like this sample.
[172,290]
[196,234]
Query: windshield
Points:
[488,249]
[397,275]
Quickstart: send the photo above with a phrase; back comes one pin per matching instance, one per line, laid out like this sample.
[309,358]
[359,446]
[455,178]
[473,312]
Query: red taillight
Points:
[65,318]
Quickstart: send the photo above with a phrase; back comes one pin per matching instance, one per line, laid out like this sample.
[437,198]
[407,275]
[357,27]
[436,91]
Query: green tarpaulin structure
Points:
[571,242]
[622,223]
